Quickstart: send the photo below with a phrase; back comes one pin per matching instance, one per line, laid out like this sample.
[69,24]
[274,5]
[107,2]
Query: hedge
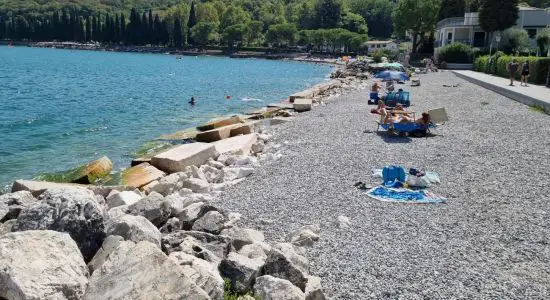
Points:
[538,66]
[455,53]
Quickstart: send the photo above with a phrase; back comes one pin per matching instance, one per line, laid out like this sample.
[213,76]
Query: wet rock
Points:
[133,228]
[73,211]
[271,288]
[141,175]
[141,271]
[41,264]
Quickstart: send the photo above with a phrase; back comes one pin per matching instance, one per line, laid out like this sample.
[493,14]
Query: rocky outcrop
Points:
[271,288]
[202,273]
[288,262]
[41,264]
[133,228]
[74,211]
[141,271]
[12,204]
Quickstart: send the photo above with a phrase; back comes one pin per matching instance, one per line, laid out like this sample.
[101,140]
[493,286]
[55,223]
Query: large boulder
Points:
[197,185]
[255,250]
[74,211]
[41,264]
[238,145]
[12,204]
[152,207]
[271,288]
[202,273]
[122,198]
[243,236]
[140,175]
[178,158]
[141,271]
[314,290]
[220,123]
[287,261]
[191,213]
[39,187]
[6,226]
[241,271]
[109,245]
[91,171]
[210,247]
[211,222]
[133,228]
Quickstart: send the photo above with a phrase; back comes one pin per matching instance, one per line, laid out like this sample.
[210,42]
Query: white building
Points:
[380,45]
[468,31]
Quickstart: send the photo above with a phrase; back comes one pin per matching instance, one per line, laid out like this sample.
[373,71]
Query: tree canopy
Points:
[498,15]
[417,16]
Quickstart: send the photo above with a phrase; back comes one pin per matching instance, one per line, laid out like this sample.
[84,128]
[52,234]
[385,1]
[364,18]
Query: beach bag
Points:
[415,181]
[391,174]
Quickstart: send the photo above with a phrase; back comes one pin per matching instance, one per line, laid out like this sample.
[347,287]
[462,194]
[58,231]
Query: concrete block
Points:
[286,105]
[239,145]
[178,158]
[220,123]
[38,187]
[309,93]
[141,175]
[301,105]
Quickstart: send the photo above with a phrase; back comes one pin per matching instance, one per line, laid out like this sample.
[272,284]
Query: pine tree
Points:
[122,28]
[88,29]
[144,29]
[55,26]
[95,33]
[151,28]
[2,27]
[157,31]
[165,33]
[191,22]
[116,30]
[178,34]
[65,27]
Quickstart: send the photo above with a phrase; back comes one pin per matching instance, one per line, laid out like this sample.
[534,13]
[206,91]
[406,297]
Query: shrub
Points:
[515,40]
[496,64]
[377,56]
[455,53]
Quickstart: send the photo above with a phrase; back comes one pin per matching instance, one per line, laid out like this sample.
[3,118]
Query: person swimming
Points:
[192,101]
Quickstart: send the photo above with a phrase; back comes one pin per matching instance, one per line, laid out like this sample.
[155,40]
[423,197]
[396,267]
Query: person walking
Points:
[524,73]
[512,68]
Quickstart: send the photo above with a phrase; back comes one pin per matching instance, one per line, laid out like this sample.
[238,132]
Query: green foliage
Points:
[498,15]
[354,23]
[455,53]
[281,34]
[204,33]
[233,15]
[232,294]
[235,35]
[451,8]
[377,14]
[335,38]
[254,35]
[377,56]
[543,41]
[514,40]
[538,66]
[417,16]
[538,108]
[329,13]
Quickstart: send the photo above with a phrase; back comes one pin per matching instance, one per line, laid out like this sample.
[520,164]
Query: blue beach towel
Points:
[383,193]
[432,177]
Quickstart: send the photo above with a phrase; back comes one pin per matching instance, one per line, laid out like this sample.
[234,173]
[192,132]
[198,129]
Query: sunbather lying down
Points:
[399,116]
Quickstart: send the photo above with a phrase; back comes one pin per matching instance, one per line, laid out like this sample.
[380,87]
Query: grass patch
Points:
[537,108]
[230,294]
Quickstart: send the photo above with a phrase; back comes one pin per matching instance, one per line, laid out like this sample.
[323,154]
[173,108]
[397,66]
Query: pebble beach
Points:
[489,240]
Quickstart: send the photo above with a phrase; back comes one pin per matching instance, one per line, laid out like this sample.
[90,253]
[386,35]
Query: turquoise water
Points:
[62,108]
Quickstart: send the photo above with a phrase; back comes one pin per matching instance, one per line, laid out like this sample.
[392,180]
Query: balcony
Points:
[449,22]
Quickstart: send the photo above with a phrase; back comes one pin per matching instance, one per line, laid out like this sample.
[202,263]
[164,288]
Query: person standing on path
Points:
[524,73]
[512,68]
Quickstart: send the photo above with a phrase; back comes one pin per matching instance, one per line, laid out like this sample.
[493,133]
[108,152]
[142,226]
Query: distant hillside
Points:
[38,7]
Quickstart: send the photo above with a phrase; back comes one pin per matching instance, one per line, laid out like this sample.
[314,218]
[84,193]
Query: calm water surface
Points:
[62,108]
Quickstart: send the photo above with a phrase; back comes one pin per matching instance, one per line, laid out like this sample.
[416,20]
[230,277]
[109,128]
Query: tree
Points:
[235,35]
[451,8]
[178,33]
[329,13]
[191,22]
[498,15]
[207,13]
[204,33]
[281,34]
[354,23]
[88,29]
[2,27]
[233,15]
[158,31]
[254,34]
[95,32]
[543,41]
[515,40]
[416,16]
[123,37]
[377,14]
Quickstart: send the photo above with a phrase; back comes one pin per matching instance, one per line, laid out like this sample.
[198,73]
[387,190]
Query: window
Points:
[449,36]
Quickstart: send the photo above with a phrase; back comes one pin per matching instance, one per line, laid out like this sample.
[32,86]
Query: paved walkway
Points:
[531,95]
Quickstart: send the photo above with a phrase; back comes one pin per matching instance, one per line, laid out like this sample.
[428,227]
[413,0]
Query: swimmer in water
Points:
[192,101]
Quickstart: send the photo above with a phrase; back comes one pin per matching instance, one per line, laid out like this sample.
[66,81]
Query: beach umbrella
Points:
[392,75]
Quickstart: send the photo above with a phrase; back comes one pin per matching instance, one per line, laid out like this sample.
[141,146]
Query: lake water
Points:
[62,108]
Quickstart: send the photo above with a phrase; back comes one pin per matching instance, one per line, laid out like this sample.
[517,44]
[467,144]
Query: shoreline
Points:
[293,56]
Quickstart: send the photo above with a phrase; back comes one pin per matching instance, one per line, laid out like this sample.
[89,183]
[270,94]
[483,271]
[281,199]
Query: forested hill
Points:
[37,7]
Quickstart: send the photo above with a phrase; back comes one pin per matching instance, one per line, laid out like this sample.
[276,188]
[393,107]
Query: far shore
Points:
[290,55]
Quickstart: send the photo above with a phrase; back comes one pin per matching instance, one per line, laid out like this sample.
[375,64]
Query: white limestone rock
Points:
[202,273]
[243,236]
[271,288]
[152,208]
[133,228]
[11,204]
[197,185]
[122,198]
[314,290]
[240,270]
[212,222]
[231,174]
[288,262]
[41,264]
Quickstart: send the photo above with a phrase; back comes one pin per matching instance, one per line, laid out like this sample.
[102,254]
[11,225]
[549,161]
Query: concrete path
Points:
[490,241]
[531,95]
